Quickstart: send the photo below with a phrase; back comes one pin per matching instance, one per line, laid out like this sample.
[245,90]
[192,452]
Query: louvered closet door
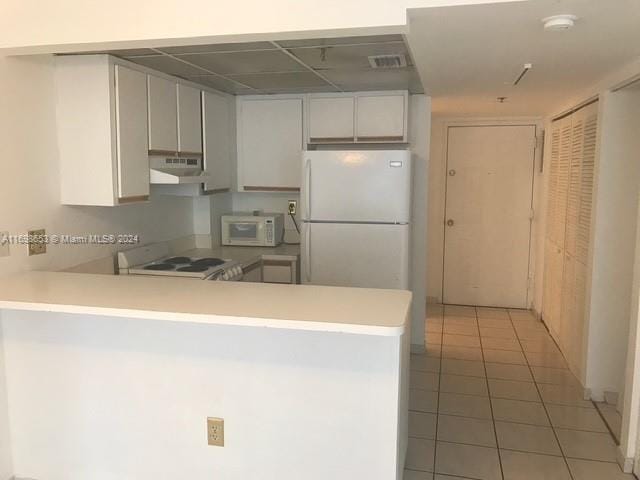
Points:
[569,211]
[556,219]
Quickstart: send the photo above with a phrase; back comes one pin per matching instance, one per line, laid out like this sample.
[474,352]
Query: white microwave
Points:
[264,230]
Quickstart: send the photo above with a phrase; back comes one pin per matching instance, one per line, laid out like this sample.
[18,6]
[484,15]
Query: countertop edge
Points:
[209,319]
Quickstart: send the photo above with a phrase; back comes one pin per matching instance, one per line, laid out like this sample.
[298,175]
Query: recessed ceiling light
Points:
[559,23]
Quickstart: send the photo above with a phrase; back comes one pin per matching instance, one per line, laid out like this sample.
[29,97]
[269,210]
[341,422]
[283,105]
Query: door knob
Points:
[452,173]
[450,222]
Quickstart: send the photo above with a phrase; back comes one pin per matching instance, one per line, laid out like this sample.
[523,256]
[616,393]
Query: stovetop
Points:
[182,266]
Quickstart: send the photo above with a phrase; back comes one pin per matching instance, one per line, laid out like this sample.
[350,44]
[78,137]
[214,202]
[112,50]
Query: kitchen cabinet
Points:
[270,142]
[175,123]
[218,124]
[279,271]
[189,120]
[101,110]
[131,138]
[381,117]
[163,115]
[331,119]
[361,117]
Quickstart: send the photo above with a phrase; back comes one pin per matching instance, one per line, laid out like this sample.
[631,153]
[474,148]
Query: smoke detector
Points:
[559,23]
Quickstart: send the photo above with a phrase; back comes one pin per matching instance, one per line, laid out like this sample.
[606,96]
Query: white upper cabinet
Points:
[189,120]
[331,119]
[270,142]
[381,117]
[218,123]
[131,121]
[362,117]
[101,119]
[163,115]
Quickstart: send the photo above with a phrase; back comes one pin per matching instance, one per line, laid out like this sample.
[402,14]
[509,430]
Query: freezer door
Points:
[356,186]
[355,255]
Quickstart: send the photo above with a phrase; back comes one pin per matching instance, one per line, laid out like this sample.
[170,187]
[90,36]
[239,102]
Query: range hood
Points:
[176,170]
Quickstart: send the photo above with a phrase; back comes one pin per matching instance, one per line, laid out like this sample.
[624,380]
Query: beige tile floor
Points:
[492,399]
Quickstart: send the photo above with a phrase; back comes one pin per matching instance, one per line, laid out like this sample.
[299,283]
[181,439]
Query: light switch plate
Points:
[38,245]
[215,431]
[4,244]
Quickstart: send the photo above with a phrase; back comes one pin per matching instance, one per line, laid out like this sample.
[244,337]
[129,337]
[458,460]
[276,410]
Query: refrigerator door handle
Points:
[307,196]
[307,251]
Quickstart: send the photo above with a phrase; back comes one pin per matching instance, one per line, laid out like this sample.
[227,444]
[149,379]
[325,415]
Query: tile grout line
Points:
[544,406]
[493,418]
[435,435]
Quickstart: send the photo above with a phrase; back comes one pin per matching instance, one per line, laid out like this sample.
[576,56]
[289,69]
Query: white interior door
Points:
[488,215]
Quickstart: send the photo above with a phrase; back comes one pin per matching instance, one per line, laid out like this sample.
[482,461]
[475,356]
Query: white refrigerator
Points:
[355,208]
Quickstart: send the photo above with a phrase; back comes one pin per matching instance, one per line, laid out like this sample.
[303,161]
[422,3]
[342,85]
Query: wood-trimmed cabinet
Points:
[270,142]
[361,117]
[219,140]
[174,117]
[101,109]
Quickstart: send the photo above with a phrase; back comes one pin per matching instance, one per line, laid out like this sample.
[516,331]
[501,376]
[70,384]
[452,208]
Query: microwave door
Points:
[244,231]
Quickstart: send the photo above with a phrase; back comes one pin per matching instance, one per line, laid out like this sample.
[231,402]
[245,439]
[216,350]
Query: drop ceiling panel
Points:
[282,81]
[245,62]
[219,47]
[351,56]
[168,65]
[340,41]
[222,84]
[381,79]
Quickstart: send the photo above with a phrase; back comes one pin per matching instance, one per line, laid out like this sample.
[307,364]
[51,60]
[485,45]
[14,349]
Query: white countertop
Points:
[299,307]
[248,255]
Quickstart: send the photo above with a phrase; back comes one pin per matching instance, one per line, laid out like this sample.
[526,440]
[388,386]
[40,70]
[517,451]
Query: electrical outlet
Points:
[37,245]
[215,431]
[293,205]
[4,244]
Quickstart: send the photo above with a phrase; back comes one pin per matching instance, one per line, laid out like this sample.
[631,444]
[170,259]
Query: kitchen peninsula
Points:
[115,377]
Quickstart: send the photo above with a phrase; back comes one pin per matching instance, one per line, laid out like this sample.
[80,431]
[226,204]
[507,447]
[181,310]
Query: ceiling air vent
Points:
[388,61]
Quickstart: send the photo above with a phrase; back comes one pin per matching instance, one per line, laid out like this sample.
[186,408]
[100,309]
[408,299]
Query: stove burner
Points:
[208,262]
[177,260]
[160,266]
[193,268]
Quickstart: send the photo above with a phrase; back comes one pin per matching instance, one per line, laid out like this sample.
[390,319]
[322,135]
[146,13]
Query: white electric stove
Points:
[155,260]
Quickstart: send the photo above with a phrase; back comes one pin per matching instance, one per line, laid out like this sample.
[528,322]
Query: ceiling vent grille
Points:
[387,61]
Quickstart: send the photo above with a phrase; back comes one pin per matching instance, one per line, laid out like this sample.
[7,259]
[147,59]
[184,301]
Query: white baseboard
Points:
[626,464]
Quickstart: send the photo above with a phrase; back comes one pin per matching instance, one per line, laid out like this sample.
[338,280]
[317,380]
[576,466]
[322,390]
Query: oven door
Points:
[246,232]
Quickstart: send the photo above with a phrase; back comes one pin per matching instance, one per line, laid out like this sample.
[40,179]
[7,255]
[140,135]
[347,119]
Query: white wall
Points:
[437,180]
[29,184]
[107,398]
[419,139]
[616,211]
[73,24]
[6,463]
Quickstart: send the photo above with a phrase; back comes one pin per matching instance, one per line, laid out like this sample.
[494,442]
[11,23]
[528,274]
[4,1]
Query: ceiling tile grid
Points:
[291,66]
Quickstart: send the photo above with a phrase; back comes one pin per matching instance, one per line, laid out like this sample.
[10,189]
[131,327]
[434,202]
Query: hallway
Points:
[493,399]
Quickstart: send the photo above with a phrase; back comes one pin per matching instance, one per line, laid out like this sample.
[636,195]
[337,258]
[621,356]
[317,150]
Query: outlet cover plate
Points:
[215,431]
[4,244]
[37,245]
[293,206]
